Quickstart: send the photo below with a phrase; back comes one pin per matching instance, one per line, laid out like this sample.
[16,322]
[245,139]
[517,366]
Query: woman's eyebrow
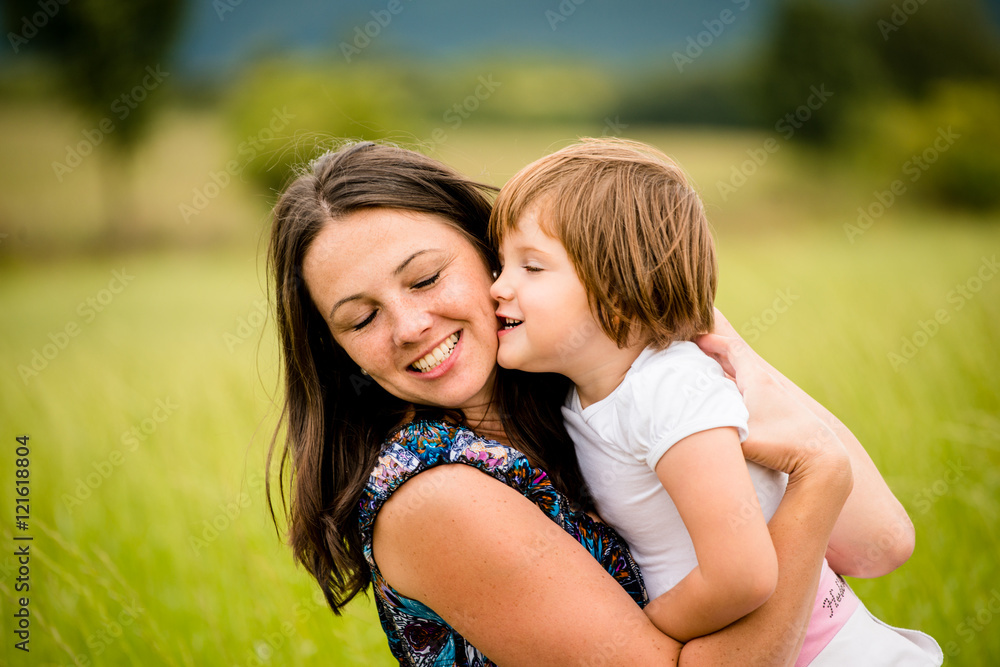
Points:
[399,269]
[402,266]
[346,299]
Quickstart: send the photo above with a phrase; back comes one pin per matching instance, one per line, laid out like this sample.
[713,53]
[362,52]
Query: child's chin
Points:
[505,362]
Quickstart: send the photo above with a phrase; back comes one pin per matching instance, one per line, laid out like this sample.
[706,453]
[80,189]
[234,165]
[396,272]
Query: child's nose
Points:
[500,290]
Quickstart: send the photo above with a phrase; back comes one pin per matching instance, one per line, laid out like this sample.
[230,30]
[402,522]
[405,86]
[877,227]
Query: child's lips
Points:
[507,321]
[507,324]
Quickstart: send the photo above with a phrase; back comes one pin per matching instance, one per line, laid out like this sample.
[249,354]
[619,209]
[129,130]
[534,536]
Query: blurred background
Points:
[848,153]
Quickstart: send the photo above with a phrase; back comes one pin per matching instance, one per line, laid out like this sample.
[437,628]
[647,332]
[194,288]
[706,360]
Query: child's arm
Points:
[706,477]
[873,535]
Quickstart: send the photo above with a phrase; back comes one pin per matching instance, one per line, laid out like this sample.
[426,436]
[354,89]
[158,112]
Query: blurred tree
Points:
[720,96]
[283,113]
[934,126]
[968,174]
[944,149]
[923,43]
[816,45]
[110,59]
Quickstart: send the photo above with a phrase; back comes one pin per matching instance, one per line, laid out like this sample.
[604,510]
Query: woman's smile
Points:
[436,362]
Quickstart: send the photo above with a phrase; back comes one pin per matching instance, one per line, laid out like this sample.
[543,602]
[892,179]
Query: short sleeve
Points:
[675,393]
[419,446]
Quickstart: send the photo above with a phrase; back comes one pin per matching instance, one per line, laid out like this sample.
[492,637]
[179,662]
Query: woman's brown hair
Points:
[634,229]
[334,419]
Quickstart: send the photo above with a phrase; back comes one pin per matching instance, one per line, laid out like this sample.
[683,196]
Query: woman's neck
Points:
[485,421]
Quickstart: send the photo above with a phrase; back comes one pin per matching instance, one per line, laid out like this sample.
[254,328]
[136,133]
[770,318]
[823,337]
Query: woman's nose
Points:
[410,323]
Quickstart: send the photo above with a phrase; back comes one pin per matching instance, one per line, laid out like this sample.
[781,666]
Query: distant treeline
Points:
[874,84]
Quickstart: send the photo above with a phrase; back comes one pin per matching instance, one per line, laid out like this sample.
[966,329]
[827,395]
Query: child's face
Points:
[553,327]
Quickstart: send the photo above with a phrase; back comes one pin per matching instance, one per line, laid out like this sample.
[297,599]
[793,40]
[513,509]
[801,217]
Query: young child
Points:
[609,273]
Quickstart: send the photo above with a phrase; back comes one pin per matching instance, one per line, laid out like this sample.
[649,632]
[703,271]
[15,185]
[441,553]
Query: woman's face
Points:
[407,297]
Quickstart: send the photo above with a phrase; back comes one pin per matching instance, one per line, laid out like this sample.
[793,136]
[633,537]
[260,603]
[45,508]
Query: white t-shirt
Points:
[666,396]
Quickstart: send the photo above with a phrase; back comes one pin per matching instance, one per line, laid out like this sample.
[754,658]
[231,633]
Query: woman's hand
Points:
[873,535]
[783,433]
[787,435]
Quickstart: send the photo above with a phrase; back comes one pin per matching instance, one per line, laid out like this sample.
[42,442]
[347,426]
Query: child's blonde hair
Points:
[634,229]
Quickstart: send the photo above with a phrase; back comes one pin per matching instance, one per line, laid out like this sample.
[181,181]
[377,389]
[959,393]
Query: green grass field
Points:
[145,380]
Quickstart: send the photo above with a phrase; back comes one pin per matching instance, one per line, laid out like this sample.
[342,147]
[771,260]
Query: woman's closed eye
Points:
[422,284]
[427,282]
[365,322]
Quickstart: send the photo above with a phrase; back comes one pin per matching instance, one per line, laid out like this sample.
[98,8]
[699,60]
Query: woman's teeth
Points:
[510,322]
[437,355]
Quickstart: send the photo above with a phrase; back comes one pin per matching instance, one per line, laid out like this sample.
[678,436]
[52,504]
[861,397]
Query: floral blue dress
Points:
[418,636]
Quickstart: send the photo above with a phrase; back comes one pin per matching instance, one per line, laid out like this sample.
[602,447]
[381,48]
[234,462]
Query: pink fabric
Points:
[835,602]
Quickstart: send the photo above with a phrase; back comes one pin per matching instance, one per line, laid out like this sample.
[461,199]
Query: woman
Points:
[388,334]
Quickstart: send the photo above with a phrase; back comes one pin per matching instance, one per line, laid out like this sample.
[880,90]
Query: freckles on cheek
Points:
[466,294]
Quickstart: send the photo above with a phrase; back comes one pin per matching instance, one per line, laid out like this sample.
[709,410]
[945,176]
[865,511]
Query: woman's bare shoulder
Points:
[490,563]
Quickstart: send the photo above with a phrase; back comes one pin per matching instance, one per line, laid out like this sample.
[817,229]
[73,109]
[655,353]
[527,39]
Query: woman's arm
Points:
[873,535]
[778,426]
[525,592]
[773,634]
[706,477]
